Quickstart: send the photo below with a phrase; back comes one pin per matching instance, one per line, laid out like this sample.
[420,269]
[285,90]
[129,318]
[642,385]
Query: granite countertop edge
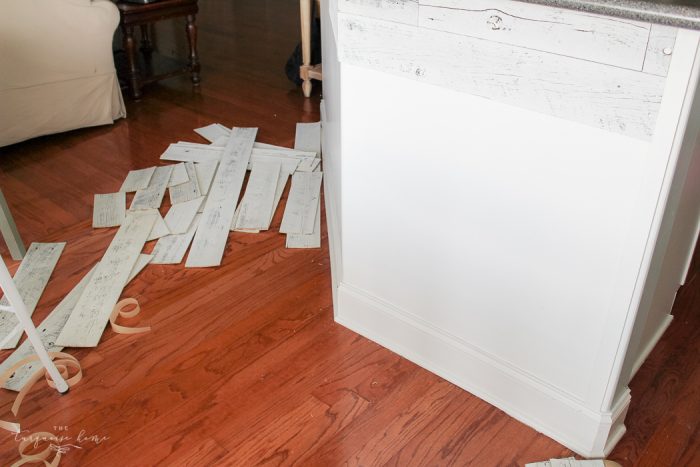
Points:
[677,13]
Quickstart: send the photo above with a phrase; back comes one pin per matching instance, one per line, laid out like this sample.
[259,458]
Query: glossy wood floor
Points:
[245,365]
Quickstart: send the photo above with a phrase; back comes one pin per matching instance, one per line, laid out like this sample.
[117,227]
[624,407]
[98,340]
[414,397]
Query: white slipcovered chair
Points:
[56,67]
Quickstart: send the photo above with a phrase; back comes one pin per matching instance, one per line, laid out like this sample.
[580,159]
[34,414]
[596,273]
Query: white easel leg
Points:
[20,310]
[9,230]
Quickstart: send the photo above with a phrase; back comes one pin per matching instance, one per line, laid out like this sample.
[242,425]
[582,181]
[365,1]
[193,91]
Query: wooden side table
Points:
[134,14]
[307,71]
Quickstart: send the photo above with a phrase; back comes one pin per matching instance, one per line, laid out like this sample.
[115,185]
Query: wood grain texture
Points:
[244,364]
[608,97]
[571,33]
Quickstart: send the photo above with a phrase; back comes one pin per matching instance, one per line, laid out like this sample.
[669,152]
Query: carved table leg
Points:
[130,48]
[305,10]
[192,39]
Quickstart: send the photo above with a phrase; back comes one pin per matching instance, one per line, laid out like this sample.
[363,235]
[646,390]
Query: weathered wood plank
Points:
[308,137]
[109,209]
[575,34]
[49,329]
[300,212]
[210,240]
[172,249]
[86,323]
[31,278]
[137,179]
[180,216]
[662,40]
[603,96]
[258,201]
[151,197]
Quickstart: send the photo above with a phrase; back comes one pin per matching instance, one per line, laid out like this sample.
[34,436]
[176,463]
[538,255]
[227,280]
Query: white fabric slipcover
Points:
[56,67]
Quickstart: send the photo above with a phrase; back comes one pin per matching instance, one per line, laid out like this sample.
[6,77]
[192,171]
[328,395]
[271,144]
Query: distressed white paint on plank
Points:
[234,223]
[172,249]
[31,278]
[48,330]
[193,152]
[213,131]
[161,177]
[206,154]
[662,41]
[180,216]
[402,11]
[309,165]
[220,141]
[189,153]
[258,200]
[137,179]
[186,191]
[308,137]
[300,212]
[603,96]
[596,38]
[141,263]
[108,210]
[210,239]
[258,145]
[179,175]
[283,152]
[312,240]
[205,175]
[289,164]
[192,175]
[281,184]
[152,196]
[89,318]
[160,229]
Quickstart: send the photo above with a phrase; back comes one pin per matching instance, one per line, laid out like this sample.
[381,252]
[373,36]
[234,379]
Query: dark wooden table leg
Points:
[192,39]
[130,48]
[146,45]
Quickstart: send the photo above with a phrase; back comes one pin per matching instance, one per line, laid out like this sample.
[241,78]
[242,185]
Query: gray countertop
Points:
[679,13]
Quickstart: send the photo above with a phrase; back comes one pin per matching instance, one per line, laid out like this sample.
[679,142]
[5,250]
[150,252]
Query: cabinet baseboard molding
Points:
[589,433]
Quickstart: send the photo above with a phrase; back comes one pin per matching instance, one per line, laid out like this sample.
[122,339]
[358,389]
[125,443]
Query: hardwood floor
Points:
[244,364]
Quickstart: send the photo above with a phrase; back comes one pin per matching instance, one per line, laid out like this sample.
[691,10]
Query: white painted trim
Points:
[557,416]
[334,243]
[331,6]
[689,259]
[649,346]
[332,222]
[618,428]
[674,115]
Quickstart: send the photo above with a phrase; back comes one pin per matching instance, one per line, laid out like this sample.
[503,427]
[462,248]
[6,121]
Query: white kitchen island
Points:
[512,194]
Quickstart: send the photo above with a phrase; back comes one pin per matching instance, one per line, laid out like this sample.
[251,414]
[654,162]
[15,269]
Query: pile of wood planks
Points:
[207,203]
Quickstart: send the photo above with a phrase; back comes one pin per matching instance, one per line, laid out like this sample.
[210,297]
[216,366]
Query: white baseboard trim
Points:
[567,421]
[332,226]
[618,428]
[649,346]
